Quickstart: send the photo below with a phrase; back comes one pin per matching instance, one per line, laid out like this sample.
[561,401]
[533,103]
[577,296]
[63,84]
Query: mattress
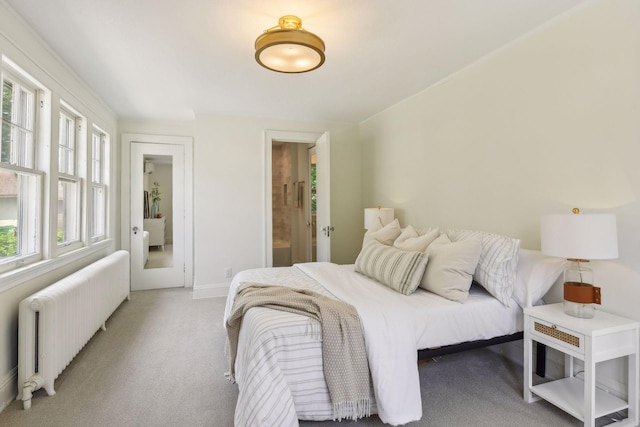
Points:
[279,364]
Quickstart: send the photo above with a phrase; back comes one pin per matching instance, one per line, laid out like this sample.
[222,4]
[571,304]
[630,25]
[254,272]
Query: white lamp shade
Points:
[382,216]
[579,236]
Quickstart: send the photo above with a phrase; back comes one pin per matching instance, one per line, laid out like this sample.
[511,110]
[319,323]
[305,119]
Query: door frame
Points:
[269,137]
[125,194]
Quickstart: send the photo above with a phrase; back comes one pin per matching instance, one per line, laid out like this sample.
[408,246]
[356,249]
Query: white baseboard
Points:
[214,290]
[8,388]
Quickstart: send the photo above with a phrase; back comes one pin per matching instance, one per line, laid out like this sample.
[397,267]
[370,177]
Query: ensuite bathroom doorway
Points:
[301,188]
[294,201]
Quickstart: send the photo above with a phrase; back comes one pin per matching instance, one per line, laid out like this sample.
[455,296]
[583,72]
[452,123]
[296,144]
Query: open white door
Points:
[323,204]
[157,241]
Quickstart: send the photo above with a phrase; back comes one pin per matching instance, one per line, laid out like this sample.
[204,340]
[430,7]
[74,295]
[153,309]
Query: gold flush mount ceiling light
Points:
[289,48]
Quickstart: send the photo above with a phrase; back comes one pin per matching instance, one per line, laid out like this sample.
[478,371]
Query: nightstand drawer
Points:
[554,334]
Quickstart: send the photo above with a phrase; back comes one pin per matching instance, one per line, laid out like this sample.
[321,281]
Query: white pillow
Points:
[451,265]
[537,273]
[385,235]
[496,270]
[397,269]
[410,240]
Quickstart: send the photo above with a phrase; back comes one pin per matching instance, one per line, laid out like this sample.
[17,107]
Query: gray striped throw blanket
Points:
[346,368]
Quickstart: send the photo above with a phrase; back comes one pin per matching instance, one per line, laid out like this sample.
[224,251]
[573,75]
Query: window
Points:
[69,182]
[20,181]
[99,184]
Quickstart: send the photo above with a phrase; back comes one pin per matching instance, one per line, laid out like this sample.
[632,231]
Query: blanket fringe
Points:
[352,410]
[313,329]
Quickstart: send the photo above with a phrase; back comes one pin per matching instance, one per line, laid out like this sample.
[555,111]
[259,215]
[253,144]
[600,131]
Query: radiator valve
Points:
[32,384]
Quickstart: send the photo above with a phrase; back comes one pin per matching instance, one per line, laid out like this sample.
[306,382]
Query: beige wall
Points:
[550,122]
[547,123]
[229,176]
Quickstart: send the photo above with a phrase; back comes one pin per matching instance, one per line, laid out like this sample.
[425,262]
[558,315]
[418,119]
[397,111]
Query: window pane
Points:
[23,114]
[18,113]
[96,156]
[6,143]
[19,213]
[8,214]
[66,145]
[7,96]
[99,214]
[68,204]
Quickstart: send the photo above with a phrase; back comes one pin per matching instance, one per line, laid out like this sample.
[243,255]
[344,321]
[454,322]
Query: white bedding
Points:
[279,365]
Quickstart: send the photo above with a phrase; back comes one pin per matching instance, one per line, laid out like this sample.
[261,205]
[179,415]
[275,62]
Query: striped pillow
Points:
[399,270]
[496,270]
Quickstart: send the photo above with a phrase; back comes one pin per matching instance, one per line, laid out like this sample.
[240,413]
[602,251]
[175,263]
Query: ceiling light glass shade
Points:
[288,48]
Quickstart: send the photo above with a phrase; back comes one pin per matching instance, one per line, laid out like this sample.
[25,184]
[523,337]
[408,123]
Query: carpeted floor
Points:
[161,363]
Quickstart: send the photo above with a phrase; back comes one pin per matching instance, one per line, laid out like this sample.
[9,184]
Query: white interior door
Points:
[157,243]
[323,199]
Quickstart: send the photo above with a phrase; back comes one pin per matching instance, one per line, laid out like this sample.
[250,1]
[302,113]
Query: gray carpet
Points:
[161,363]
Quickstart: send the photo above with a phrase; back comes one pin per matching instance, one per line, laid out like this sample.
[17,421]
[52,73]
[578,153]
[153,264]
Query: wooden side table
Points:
[601,338]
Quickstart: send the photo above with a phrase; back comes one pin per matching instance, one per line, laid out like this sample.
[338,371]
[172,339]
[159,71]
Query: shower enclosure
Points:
[293,202]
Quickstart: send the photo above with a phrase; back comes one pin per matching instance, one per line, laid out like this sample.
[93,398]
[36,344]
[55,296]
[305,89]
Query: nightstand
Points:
[601,338]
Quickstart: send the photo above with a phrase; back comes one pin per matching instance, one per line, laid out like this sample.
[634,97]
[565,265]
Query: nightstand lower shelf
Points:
[568,394]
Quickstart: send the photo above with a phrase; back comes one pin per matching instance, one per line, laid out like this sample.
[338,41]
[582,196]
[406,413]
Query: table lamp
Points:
[380,216]
[579,238]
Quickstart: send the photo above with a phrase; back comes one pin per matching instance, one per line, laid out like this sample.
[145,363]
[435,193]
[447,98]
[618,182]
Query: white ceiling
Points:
[161,59]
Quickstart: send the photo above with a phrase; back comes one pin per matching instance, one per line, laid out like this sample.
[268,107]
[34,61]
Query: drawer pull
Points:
[553,332]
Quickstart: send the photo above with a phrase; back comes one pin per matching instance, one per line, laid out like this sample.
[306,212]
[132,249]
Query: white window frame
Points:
[23,162]
[70,175]
[99,181]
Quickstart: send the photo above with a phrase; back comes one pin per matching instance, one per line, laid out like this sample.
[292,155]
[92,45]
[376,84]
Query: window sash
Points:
[18,118]
[97,155]
[99,212]
[69,212]
[67,143]
[20,231]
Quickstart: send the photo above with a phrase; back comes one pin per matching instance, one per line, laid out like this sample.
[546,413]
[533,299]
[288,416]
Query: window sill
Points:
[15,277]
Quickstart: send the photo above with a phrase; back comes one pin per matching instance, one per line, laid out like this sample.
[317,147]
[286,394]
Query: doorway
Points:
[292,198]
[321,227]
[157,187]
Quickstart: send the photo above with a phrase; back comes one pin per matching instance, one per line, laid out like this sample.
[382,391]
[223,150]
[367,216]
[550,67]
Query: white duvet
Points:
[395,326]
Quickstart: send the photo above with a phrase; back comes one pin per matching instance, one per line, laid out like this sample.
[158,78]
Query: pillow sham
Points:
[449,272]
[397,269]
[536,273]
[410,240]
[386,235]
[496,270]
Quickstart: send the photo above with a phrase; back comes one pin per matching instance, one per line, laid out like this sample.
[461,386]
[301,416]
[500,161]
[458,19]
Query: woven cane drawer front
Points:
[554,334]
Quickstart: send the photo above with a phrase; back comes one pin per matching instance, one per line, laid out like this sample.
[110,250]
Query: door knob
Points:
[327,230]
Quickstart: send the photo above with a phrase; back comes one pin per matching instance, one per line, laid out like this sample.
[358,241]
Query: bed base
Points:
[429,353]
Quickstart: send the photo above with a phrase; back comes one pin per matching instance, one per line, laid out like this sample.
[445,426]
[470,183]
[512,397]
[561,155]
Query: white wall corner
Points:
[213,290]
[8,388]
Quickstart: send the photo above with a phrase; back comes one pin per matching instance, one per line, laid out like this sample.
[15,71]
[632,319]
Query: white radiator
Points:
[56,323]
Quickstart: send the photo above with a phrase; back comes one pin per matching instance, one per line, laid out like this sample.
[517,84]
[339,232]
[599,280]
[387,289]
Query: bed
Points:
[279,368]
